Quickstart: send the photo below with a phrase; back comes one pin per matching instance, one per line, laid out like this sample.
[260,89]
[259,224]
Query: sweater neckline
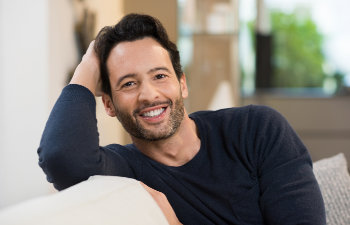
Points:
[191,162]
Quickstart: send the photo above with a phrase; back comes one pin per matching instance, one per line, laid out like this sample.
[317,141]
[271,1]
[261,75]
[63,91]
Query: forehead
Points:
[137,56]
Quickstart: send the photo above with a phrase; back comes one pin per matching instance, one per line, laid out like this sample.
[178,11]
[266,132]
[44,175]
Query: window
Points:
[300,46]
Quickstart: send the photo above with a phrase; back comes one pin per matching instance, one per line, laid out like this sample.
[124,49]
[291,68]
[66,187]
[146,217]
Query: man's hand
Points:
[87,72]
[163,204]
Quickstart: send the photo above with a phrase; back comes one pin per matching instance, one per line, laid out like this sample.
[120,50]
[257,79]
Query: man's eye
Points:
[128,84]
[160,76]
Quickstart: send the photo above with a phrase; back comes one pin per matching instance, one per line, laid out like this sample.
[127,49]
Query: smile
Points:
[153,113]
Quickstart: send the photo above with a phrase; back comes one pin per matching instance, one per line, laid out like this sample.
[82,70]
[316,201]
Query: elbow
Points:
[58,167]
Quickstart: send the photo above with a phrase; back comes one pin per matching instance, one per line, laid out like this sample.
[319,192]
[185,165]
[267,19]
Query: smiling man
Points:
[147,97]
[143,79]
[241,165]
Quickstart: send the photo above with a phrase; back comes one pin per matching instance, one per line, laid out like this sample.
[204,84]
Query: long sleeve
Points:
[289,192]
[69,150]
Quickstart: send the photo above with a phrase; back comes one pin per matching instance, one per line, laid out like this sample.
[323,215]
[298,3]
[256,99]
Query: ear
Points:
[108,104]
[183,86]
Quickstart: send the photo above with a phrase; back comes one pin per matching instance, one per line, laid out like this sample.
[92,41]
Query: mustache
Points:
[147,105]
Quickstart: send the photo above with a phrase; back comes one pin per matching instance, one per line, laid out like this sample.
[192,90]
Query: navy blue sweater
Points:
[251,167]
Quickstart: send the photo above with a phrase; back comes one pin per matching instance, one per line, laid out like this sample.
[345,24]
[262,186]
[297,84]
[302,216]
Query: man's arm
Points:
[289,193]
[69,150]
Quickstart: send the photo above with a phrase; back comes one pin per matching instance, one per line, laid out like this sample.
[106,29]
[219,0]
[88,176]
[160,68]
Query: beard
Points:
[133,126]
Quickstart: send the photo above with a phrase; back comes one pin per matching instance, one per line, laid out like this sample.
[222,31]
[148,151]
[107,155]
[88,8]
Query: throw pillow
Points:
[334,181]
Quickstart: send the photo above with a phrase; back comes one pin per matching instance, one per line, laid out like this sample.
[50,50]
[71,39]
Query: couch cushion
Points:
[334,180]
[103,200]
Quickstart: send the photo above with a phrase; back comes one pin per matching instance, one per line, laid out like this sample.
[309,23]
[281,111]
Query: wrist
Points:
[87,75]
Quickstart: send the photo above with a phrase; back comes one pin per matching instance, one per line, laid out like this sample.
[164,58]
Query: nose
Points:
[147,92]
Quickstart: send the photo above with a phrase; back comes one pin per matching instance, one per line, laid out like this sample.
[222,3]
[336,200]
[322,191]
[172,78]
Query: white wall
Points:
[37,51]
[62,50]
[23,91]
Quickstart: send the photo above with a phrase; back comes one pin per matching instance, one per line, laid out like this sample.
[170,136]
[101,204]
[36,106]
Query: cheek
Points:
[124,103]
[173,89]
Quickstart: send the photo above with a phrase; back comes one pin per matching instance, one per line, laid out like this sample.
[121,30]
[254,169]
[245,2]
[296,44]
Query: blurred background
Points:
[292,55]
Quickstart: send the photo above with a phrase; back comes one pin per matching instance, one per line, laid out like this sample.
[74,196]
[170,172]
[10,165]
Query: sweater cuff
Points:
[76,92]
[79,94]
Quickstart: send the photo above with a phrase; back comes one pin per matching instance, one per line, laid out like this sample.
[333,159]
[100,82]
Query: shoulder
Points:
[262,112]
[221,113]
[264,117]
[245,113]
[252,122]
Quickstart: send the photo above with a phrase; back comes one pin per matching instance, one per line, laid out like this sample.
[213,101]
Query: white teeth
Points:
[154,113]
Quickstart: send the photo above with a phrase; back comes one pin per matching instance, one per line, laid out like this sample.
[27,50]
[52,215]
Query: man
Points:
[233,166]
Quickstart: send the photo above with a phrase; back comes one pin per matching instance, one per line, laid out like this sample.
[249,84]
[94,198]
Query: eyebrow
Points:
[158,68]
[124,77]
[132,75]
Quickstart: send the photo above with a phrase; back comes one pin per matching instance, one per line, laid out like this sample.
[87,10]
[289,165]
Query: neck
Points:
[176,150]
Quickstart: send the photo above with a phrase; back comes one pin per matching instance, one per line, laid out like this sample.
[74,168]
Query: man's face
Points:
[147,96]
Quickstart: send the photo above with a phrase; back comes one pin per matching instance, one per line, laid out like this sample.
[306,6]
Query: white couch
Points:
[101,200]
[106,200]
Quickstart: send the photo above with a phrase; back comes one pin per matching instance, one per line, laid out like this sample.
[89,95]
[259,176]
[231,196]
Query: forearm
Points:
[87,73]
[69,148]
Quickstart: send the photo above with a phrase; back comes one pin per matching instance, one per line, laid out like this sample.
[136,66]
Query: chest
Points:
[215,188]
